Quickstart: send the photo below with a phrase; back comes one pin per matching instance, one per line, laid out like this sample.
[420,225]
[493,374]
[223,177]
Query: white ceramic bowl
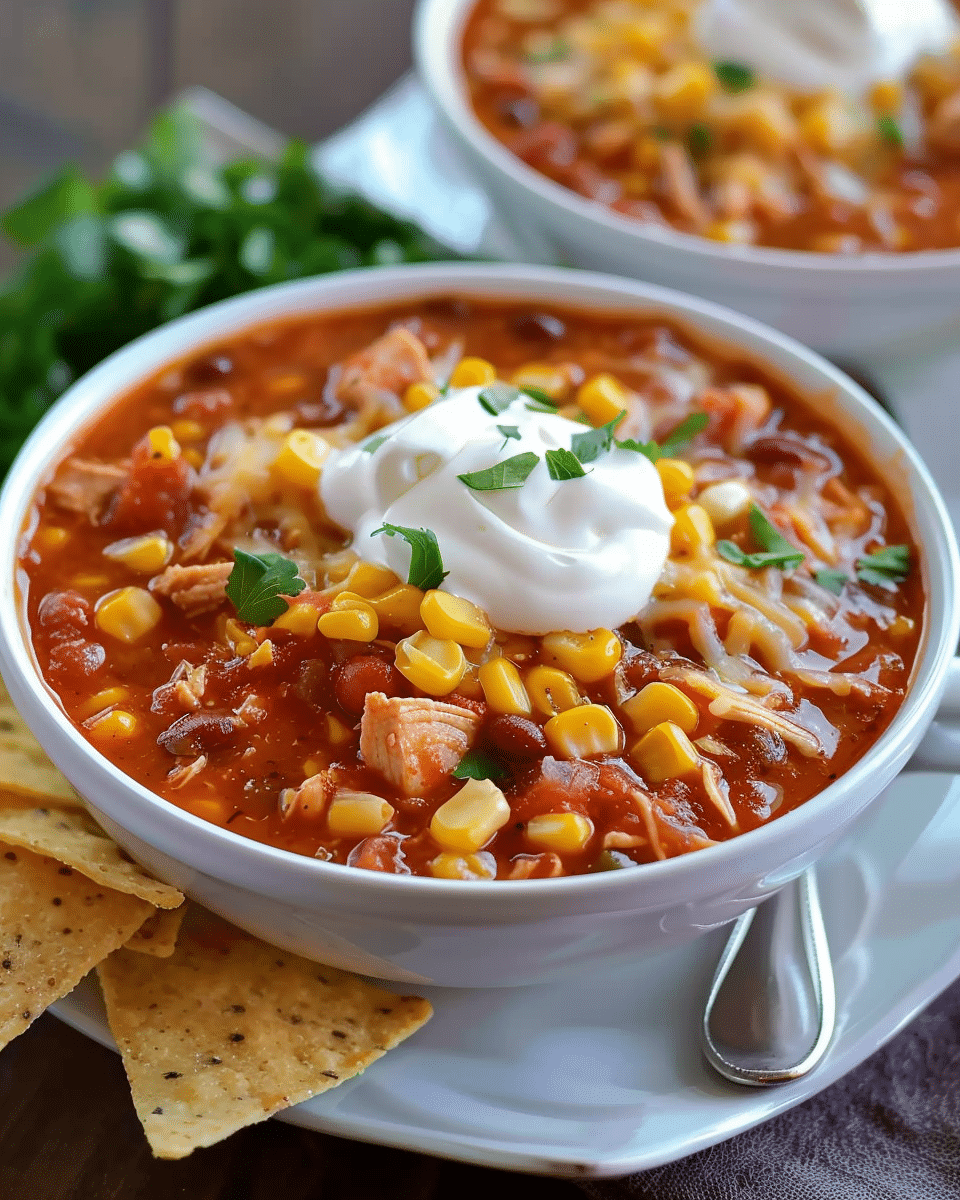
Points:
[414,929]
[847,306]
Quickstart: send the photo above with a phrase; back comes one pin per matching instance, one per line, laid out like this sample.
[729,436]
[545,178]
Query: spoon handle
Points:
[771,1010]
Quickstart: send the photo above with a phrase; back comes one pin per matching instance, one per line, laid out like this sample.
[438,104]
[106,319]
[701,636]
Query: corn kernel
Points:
[448,616]
[105,699]
[736,233]
[588,657]
[725,502]
[368,579]
[665,752]
[193,457]
[113,725]
[350,623]
[646,35]
[164,447]
[262,656]
[886,95]
[692,530]
[187,431]
[147,554]
[584,731]
[660,702]
[464,866]
[358,814]
[828,125]
[682,92]
[300,619]
[338,733]
[420,395]
[545,377]
[238,638]
[676,479]
[763,120]
[602,398]
[564,832]
[472,372]
[52,537]
[503,688]
[90,581]
[311,766]
[301,458]
[212,810]
[468,820]
[283,385]
[435,666]
[901,626]
[128,614]
[551,690]
[399,607]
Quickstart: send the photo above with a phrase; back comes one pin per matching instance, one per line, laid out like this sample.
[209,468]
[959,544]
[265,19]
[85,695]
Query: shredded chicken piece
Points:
[618,839]
[414,742]
[729,705]
[390,364]
[310,798]
[524,866]
[842,684]
[642,801]
[182,774]
[252,710]
[189,688]
[715,786]
[84,486]
[680,184]
[195,589]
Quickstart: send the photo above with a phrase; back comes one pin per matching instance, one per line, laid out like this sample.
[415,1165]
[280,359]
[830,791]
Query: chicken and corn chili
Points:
[211,632]
[615,99]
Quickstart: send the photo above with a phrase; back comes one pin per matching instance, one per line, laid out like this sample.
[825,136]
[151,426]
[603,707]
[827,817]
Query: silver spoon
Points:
[771,1010]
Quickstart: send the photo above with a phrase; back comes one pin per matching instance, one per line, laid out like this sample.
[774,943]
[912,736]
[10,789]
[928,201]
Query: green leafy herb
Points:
[564,464]
[775,550]
[375,442]
[476,764]
[884,567]
[502,476]
[554,51]
[496,397]
[509,431]
[257,584]
[831,579]
[734,76]
[699,139]
[539,396]
[426,565]
[166,231]
[673,443]
[890,131]
[590,445]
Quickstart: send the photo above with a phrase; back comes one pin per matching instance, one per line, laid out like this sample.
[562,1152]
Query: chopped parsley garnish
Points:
[257,584]
[673,442]
[554,51]
[509,431]
[476,764]
[374,443]
[890,131]
[511,473]
[563,464]
[590,445]
[831,579]
[775,550]
[426,565]
[496,397]
[542,402]
[886,566]
[734,76]
[699,139]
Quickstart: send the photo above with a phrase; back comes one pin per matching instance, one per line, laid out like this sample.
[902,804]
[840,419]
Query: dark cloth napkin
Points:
[889,1129]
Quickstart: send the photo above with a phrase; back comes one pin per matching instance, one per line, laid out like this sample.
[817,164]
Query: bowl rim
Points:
[437,29]
[373,287]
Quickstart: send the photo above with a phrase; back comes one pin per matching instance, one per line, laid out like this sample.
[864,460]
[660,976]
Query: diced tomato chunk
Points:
[155,495]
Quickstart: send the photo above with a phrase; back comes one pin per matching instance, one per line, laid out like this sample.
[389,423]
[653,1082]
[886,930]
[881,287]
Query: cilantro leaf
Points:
[889,131]
[648,449]
[884,567]
[563,464]
[502,476]
[426,565]
[673,442]
[734,76]
[833,580]
[374,442]
[775,550]
[496,397]
[509,431]
[554,51]
[540,397]
[590,445]
[476,764]
[699,139]
[257,584]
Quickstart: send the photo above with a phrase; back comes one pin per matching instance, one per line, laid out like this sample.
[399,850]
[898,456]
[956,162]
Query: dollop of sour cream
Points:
[814,44]
[575,554]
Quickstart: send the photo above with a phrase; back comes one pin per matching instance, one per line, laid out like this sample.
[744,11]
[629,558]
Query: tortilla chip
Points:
[25,769]
[158,934]
[230,1030]
[55,925]
[75,839]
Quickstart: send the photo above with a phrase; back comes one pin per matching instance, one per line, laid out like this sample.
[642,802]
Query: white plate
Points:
[603,1075]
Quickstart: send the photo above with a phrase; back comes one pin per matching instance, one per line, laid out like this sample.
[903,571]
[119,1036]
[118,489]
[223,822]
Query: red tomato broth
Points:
[249,766]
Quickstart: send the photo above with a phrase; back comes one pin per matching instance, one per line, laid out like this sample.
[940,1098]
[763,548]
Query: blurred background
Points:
[79,79]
